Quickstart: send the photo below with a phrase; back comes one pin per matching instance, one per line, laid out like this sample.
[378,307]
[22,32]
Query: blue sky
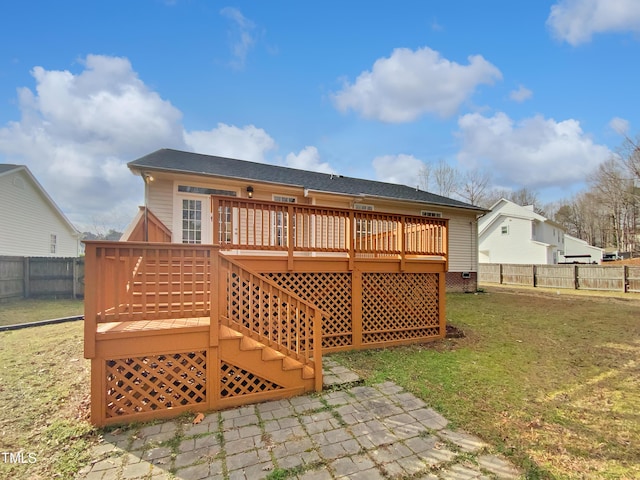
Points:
[536,92]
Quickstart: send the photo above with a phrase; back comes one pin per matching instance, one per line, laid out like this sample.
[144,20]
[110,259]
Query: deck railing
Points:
[152,282]
[279,319]
[246,224]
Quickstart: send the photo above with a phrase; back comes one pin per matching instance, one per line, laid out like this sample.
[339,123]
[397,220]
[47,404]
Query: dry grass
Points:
[44,387]
[552,380]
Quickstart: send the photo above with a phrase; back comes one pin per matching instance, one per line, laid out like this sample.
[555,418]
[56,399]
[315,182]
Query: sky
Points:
[536,92]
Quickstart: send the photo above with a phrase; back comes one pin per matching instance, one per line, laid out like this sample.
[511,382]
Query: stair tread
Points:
[229,333]
[290,364]
[250,344]
[269,353]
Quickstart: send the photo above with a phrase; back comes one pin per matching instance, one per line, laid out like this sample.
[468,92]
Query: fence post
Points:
[625,278]
[534,272]
[576,276]
[26,277]
[500,274]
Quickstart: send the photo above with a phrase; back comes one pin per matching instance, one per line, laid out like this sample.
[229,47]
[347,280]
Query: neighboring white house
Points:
[579,251]
[511,233]
[31,224]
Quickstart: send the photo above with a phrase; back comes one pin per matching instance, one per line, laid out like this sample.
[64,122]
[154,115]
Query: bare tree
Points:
[474,185]
[446,179]
[615,191]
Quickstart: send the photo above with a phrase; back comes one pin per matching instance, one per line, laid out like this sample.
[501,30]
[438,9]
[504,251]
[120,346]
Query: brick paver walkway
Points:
[349,432]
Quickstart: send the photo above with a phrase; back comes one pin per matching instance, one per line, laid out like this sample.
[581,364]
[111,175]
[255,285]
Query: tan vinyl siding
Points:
[463,249]
[161,201]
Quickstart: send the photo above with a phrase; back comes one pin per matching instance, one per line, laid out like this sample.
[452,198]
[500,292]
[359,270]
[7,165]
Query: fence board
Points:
[621,278]
[489,272]
[11,277]
[27,277]
[633,278]
[594,277]
[555,276]
[518,275]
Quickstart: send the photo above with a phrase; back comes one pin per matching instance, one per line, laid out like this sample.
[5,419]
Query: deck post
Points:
[214,297]
[290,237]
[317,349]
[215,218]
[90,300]
[403,226]
[352,239]
[356,308]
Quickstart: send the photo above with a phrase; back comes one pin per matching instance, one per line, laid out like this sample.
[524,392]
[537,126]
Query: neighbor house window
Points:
[191,221]
[53,243]
[504,230]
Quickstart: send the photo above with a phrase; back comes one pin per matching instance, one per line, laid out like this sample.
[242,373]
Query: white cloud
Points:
[521,94]
[246,143]
[576,21]
[535,152]
[402,169]
[241,36]
[78,130]
[410,83]
[308,159]
[619,125]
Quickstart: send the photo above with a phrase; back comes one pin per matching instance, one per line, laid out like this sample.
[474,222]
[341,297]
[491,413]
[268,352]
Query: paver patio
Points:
[349,431]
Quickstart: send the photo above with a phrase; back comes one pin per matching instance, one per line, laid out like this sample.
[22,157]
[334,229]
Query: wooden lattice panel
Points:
[235,382]
[330,292]
[399,306]
[153,382]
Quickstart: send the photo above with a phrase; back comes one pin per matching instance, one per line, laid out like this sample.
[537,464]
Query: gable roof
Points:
[6,168]
[177,161]
[506,208]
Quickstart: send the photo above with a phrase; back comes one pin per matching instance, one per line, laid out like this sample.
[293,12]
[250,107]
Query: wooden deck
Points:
[173,327]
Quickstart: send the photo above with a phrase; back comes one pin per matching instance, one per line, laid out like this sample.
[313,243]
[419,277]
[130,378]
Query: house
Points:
[579,251]
[31,224]
[235,278]
[183,180]
[514,234]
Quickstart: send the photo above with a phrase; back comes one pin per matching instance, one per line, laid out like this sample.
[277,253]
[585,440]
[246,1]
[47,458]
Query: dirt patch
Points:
[454,332]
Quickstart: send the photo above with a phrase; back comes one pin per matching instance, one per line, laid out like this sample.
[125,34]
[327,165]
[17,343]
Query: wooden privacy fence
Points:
[621,278]
[30,277]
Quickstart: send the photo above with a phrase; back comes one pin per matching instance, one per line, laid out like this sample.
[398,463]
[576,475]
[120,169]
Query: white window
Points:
[191,221]
[284,199]
[363,206]
[504,230]
[364,228]
[429,213]
[53,243]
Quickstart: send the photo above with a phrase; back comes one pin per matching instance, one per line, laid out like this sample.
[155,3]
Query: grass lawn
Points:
[20,310]
[552,380]
[44,392]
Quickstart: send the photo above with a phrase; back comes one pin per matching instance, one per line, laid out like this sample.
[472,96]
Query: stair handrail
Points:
[318,316]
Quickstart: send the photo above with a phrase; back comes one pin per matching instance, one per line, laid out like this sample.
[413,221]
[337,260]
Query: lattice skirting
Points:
[399,306]
[235,381]
[152,382]
[331,292]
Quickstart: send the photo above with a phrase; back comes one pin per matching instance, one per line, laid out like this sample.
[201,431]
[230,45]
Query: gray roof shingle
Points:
[208,165]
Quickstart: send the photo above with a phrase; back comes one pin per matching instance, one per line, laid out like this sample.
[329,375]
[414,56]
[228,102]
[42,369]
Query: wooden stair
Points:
[266,362]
